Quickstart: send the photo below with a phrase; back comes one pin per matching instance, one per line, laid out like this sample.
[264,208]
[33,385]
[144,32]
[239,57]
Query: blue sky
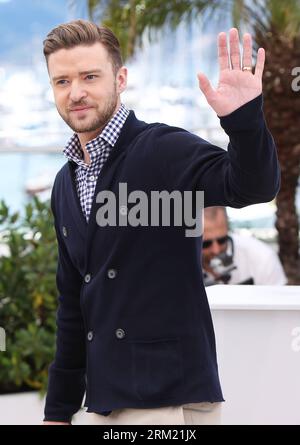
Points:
[23,26]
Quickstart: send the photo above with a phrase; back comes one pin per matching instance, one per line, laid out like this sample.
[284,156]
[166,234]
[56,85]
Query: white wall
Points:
[258,342]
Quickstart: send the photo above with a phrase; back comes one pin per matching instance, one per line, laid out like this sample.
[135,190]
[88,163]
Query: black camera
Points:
[222,266]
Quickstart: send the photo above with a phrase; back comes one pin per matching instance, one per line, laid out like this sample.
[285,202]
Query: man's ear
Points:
[121,79]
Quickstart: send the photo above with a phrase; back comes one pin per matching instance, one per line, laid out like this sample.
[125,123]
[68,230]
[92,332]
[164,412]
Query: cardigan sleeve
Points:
[66,382]
[246,173]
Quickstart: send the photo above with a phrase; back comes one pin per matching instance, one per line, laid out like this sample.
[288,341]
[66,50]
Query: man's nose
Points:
[215,248]
[77,92]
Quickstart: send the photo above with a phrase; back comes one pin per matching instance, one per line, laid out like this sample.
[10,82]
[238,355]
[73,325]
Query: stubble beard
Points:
[102,117]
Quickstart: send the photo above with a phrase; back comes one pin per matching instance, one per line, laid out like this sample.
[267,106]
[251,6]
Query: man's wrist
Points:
[244,118]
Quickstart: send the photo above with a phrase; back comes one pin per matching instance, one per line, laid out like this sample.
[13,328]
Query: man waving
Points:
[134,329]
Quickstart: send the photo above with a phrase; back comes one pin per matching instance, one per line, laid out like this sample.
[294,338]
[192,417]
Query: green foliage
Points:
[27,295]
[130,19]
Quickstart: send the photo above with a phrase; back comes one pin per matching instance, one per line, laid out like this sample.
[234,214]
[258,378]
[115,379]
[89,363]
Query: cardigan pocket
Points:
[157,369]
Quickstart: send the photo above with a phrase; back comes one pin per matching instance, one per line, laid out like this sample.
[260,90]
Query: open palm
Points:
[236,86]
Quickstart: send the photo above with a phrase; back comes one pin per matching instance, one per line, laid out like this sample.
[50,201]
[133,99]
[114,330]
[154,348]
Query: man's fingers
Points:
[223,51]
[247,50]
[205,86]
[260,62]
[235,55]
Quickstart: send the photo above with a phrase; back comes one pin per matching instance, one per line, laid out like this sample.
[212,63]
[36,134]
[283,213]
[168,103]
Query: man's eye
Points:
[91,76]
[61,82]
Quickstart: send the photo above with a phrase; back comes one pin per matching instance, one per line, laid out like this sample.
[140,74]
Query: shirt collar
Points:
[109,135]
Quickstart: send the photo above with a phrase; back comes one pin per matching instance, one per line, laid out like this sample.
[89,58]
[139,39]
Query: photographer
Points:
[236,259]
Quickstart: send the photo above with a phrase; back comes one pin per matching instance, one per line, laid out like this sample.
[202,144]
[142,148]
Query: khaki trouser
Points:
[205,413]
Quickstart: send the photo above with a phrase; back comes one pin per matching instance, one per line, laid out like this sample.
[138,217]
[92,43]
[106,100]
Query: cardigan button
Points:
[120,333]
[112,273]
[87,278]
[65,232]
[90,336]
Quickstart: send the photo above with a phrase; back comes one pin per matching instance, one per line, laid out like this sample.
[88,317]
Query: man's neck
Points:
[84,138]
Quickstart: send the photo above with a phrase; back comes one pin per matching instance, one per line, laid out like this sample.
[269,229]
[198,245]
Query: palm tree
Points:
[275,26]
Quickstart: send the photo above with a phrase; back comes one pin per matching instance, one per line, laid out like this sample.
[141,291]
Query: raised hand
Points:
[237,85]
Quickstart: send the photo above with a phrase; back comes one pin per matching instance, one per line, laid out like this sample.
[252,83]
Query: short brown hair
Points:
[211,213]
[83,32]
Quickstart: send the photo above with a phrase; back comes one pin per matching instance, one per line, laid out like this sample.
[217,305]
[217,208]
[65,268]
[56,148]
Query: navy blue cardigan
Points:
[134,329]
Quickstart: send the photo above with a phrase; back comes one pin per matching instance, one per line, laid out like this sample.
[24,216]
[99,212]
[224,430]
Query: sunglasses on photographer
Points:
[221,241]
